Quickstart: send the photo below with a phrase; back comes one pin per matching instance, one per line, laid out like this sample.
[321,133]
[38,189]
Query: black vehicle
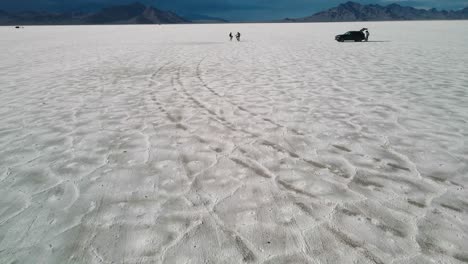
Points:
[356,36]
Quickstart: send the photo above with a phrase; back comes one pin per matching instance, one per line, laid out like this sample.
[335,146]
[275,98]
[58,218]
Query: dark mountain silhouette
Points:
[351,11]
[138,13]
[135,13]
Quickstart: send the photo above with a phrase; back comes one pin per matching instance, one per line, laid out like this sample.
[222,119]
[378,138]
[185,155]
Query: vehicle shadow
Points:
[370,41]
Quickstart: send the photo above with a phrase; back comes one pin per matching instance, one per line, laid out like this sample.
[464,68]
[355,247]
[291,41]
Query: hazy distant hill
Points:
[6,18]
[352,11]
[135,13]
[41,18]
[197,18]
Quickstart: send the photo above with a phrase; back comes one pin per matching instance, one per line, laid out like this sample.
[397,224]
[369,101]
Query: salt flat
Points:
[170,144]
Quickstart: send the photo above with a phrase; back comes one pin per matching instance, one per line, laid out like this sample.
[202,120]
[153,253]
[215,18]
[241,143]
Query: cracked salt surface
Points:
[169,144]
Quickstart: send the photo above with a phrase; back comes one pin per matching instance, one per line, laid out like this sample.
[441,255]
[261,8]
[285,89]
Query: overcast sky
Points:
[228,9]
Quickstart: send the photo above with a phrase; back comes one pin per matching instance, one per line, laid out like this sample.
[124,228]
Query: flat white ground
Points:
[170,144]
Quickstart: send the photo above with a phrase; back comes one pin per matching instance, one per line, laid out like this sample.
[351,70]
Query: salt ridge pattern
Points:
[170,144]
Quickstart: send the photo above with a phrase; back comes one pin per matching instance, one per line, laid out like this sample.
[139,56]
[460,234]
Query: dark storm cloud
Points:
[230,9]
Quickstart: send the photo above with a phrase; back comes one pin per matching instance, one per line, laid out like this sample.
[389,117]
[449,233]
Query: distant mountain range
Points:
[138,13]
[351,11]
[135,13]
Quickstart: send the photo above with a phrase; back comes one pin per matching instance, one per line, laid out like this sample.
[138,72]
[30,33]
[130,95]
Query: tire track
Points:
[247,254]
[157,102]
